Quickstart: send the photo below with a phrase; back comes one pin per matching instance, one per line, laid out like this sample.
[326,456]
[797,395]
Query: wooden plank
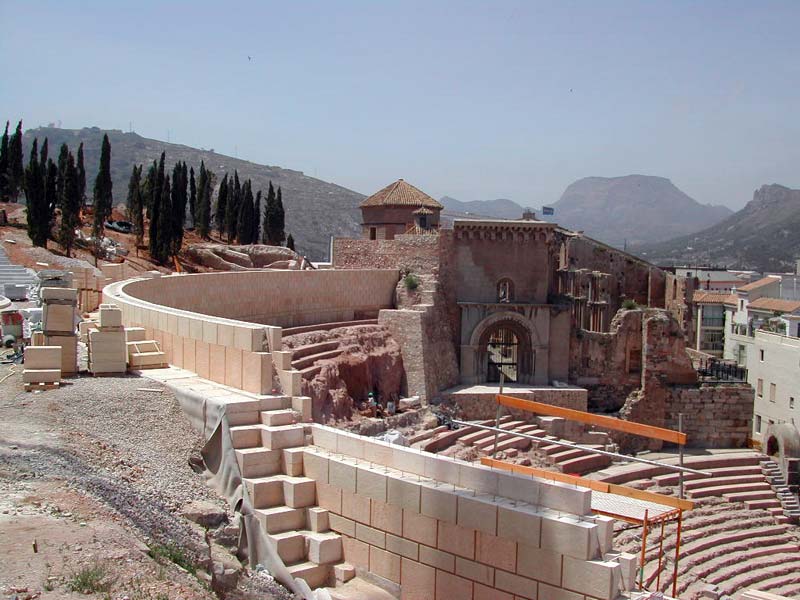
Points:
[649,431]
[598,486]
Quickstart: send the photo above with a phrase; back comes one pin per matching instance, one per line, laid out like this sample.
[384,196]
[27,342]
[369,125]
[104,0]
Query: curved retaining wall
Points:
[226,326]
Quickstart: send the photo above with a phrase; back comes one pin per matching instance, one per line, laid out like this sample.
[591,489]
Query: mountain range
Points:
[763,236]
[315,209]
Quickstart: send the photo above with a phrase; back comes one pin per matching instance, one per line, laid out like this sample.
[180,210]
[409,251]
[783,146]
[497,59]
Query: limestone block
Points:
[196,328]
[496,551]
[217,363]
[567,536]
[595,578]
[518,487]
[482,592]
[539,564]
[282,359]
[300,404]
[315,466]
[342,524]
[233,367]
[257,462]
[318,519]
[290,382]
[439,502]
[436,558]
[58,317]
[350,445]
[265,491]
[456,540]
[452,587]
[342,475]
[324,437]
[329,497]
[370,483]
[402,546]
[299,492]
[202,357]
[189,355]
[209,331]
[477,512]
[605,533]
[285,436]
[370,535]
[384,564]
[273,337]
[521,523]
[418,581]
[110,317]
[478,572]
[57,293]
[355,506]
[565,498]
[386,517]
[403,492]
[343,573]
[225,335]
[442,469]
[549,592]
[324,548]
[515,584]
[41,375]
[419,528]
[42,357]
[184,326]
[379,452]
[408,460]
[356,552]
[629,564]
[478,478]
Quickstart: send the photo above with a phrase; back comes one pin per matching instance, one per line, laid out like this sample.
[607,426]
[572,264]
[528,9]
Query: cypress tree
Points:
[256,219]
[43,157]
[63,155]
[148,185]
[178,202]
[165,231]
[136,204]
[280,220]
[34,196]
[82,170]
[222,201]
[232,208]
[290,242]
[5,194]
[192,197]
[70,206]
[51,194]
[16,171]
[203,202]
[102,196]
[269,209]
[244,225]
[156,193]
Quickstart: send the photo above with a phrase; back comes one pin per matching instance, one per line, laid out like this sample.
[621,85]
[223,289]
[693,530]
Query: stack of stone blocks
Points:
[107,348]
[42,365]
[143,353]
[58,324]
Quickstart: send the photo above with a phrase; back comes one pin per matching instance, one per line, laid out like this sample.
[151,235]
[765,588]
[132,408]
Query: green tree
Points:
[192,197]
[274,219]
[38,226]
[222,201]
[15,170]
[290,242]
[82,170]
[102,196]
[269,208]
[256,220]
[70,206]
[280,219]
[165,231]
[136,204]
[155,210]
[232,208]
[178,200]
[5,193]
[51,194]
[63,155]
[244,224]
[204,190]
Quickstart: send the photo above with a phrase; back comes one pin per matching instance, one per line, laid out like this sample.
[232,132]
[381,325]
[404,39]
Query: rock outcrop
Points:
[244,258]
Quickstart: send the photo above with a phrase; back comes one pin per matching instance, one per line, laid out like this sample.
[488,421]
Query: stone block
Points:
[475,571]
[350,445]
[370,483]
[566,536]
[419,528]
[565,498]
[209,331]
[315,466]
[629,566]
[452,587]
[299,492]
[318,519]
[441,468]
[539,564]
[41,375]
[225,335]
[418,581]
[477,512]
[58,318]
[370,535]
[282,359]
[58,293]
[265,491]
[384,564]
[43,357]
[202,358]
[284,436]
[518,487]
[356,552]
[256,372]
[605,533]
[329,497]
[324,548]
[515,584]
[274,418]
[408,460]
[342,475]
[233,367]
[216,363]
[379,452]
[482,480]
[189,362]
[520,523]
[342,525]
[595,578]
[439,502]
[402,546]
[343,573]
[550,592]
[300,404]
[436,558]
[196,328]
[403,492]
[110,317]
[355,506]
[386,517]
[482,592]
[324,437]
[456,540]
[496,551]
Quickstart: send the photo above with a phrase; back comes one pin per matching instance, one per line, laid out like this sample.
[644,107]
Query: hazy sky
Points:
[475,100]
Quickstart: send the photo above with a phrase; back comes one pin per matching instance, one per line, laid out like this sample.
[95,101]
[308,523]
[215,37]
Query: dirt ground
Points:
[94,478]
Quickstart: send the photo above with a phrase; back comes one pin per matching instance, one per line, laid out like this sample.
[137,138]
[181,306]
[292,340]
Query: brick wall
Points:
[439,528]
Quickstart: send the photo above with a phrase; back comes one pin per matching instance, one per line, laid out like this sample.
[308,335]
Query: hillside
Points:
[636,208]
[315,209]
[763,236]
[499,209]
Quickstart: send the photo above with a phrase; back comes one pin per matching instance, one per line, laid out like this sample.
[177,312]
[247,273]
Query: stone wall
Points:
[435,528]
[714,415]
[414,253]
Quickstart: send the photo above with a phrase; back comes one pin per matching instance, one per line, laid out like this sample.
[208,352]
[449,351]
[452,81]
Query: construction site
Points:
[503,409]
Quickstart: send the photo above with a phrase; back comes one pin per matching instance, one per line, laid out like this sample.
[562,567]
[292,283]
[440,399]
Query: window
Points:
[741,304]
[773,389]
[761,354]
[505,290]
[791,401]
[373,233]
[758,423]
[760,388]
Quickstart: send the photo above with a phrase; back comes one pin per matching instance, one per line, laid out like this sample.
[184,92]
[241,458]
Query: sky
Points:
[475,100]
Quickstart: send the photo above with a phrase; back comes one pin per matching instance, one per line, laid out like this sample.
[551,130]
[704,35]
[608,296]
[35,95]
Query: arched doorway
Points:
[505,347]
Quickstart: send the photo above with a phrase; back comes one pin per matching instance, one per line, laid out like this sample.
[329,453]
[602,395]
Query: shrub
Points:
[89,580]
[411,281]
[173,553]
[629,304]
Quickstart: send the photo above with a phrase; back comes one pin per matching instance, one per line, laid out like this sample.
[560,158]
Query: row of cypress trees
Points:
[12,174]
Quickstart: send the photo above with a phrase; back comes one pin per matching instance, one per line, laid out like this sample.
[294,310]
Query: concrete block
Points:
[496,551]
[233,367]
[456,540]
[315,466]
[384,564]
[408,460]
[515,584]
[402,546]
[568,537]
[605,533]
[477,512]
[419,528]
[274,418]
[482,592]
[57,293]
[520,523]
[318,519]
[441,468]
[216,363]
[355,506]
[550,592]
[517,487]
[370,483]
[356,552]
[629,567]
[324,548]
[41,375]
[324,437]
[478,572]
[42,357]
[342,474]
[284,436]
[342,525]
[329,497]
[482,480]
[350,445]
[386,517]
[343,573]
[110,317]
[299,492]
[418,581]
[598,579]
[403,492]
[565,498]
[539,564]
[439,502]
[370,535]
[300,404]
[436,558]
[452,587]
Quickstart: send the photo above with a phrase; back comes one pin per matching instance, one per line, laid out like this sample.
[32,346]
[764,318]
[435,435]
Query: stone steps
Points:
[584,464]
[309,360]
[787,565]
[716,481]
[766,494]
[287,331]
[307,350]
[722,490]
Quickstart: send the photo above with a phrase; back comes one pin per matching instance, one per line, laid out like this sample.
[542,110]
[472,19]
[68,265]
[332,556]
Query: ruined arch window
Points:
[505,290]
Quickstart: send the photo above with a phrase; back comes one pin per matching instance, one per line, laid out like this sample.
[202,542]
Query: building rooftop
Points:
[401,193]
[775,304]
[759,284]
[702,297]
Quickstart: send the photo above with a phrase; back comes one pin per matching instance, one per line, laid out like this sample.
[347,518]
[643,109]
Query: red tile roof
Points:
[757,284]
[702,297]
[401,193]
[775,304]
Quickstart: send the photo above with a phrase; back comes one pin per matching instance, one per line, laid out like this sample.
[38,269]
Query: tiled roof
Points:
[701,297]
[401,193]
[757,284]
[775,304]
[423,210]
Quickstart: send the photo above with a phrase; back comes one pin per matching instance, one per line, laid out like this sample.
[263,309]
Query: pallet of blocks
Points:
[58,324]
[107,350]
[143,353]
[42,368]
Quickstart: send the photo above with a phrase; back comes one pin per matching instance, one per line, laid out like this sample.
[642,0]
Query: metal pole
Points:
[677,556]
[497,416]
[680,457]
[644,546]
[660,555]
[587,448]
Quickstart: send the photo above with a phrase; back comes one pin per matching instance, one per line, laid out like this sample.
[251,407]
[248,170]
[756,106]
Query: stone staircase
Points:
[788,502]
[12,274]
[270,457]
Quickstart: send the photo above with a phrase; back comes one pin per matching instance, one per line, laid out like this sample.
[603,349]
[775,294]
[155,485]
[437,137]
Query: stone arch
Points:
[505,289]
[783,446]
[526,337]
